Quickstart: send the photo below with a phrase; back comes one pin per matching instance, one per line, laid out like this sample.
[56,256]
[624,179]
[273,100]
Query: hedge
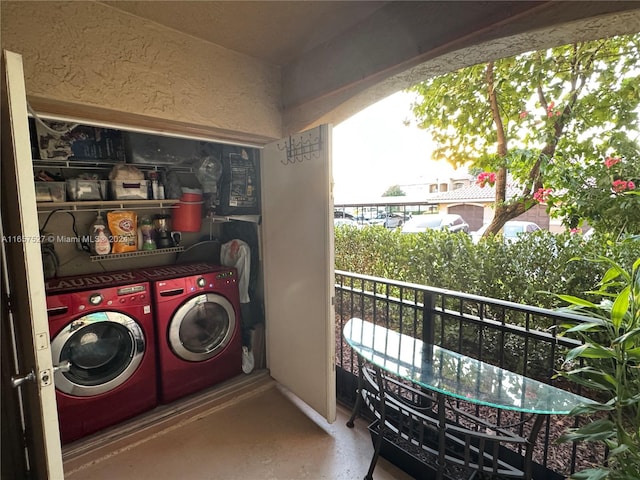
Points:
[520,271]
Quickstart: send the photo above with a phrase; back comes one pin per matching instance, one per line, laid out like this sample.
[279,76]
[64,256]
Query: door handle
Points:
[20,379]
[172,293]
[63,367]
[45,374]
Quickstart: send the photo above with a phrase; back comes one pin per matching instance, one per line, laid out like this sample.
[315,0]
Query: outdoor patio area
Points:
[249,427]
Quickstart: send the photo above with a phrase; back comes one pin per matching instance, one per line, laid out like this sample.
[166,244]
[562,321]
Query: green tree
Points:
[602,192]
[394,191]
[535,118]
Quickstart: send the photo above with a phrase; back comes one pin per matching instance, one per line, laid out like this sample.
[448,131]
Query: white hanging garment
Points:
[236,253]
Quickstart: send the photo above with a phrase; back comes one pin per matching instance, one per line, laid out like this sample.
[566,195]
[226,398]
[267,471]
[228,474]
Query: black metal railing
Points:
[516,337]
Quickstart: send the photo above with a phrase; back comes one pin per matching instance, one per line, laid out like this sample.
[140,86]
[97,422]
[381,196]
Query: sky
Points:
[374,150]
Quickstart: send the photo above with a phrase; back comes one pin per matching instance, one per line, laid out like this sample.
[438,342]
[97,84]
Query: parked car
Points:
[360,220]
[389,220]
[379,219]
[341,214]
[447,221]
[510,231]
[345,222]
[394,220]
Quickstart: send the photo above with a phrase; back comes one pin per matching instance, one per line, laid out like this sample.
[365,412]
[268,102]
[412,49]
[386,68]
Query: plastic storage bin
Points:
[130,189]
[78,189]
[50,191]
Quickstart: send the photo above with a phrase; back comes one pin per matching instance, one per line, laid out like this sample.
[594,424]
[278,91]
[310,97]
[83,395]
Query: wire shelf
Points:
[101,205]
[137,253]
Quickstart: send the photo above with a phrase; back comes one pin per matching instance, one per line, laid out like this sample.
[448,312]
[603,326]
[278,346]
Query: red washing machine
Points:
[199,342]
[102,343]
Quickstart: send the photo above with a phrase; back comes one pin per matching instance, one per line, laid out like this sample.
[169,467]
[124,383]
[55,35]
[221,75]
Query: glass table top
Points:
[455,375]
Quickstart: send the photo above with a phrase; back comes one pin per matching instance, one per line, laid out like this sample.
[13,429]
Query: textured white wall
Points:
[88,53]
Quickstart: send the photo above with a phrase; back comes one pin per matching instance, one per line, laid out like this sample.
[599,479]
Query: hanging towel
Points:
[236,253]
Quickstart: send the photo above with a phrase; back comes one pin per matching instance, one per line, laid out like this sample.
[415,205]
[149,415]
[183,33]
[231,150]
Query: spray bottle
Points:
[100,243]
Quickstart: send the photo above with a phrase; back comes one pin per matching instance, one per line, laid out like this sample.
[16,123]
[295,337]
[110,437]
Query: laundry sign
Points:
[86,282]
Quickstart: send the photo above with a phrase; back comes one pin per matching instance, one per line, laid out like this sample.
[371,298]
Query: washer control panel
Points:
[123,296]
[95,299]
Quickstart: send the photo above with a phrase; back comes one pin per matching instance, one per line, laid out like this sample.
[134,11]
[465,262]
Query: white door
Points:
[25,335]
[297,241]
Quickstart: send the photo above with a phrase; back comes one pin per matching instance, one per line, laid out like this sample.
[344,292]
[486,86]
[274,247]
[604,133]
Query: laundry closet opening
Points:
[152,267]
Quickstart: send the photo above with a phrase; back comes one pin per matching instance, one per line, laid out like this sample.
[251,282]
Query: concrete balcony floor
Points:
[247,428]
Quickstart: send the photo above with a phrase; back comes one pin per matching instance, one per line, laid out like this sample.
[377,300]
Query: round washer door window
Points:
[202,327]
[102,350]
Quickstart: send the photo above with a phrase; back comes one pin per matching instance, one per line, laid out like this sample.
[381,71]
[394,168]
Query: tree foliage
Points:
[536,119]
[394,191]
[603,192]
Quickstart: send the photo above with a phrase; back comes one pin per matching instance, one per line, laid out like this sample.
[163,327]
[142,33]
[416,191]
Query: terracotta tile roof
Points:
[472,193]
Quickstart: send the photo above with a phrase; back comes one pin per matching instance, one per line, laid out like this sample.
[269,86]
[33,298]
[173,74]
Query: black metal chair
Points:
[451,442]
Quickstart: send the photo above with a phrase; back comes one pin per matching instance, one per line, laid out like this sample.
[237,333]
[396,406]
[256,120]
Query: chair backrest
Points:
[442,430]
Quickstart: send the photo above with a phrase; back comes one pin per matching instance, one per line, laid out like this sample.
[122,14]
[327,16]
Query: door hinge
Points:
[42,341]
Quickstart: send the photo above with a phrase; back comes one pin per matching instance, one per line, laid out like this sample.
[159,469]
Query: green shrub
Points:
[516,271]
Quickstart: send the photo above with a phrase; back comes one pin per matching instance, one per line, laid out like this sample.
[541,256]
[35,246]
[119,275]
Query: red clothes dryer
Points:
[197,311]
[102,343]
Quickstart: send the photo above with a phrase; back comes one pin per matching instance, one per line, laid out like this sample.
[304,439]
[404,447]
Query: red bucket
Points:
[187,216]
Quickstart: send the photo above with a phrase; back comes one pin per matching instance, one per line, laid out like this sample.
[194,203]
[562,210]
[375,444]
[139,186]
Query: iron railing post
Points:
[428,320]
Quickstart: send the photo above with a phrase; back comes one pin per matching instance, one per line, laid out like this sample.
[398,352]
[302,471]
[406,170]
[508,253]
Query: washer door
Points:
[103,350]
[202,327]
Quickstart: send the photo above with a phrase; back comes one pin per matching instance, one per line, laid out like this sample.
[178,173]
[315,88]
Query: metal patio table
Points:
[411,388]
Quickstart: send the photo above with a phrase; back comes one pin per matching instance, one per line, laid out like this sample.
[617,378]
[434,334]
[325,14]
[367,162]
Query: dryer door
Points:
[101,349]
[202,327]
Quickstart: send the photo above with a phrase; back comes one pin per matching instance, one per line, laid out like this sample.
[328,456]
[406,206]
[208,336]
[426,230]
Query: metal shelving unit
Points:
[137,253]
[99,205]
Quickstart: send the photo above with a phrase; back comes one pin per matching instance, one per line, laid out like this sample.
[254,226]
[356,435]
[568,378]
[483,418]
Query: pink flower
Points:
[611,161]
[551,112]
[619,186]
[575,230]
[486,178]
[542,195]
[523,114]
